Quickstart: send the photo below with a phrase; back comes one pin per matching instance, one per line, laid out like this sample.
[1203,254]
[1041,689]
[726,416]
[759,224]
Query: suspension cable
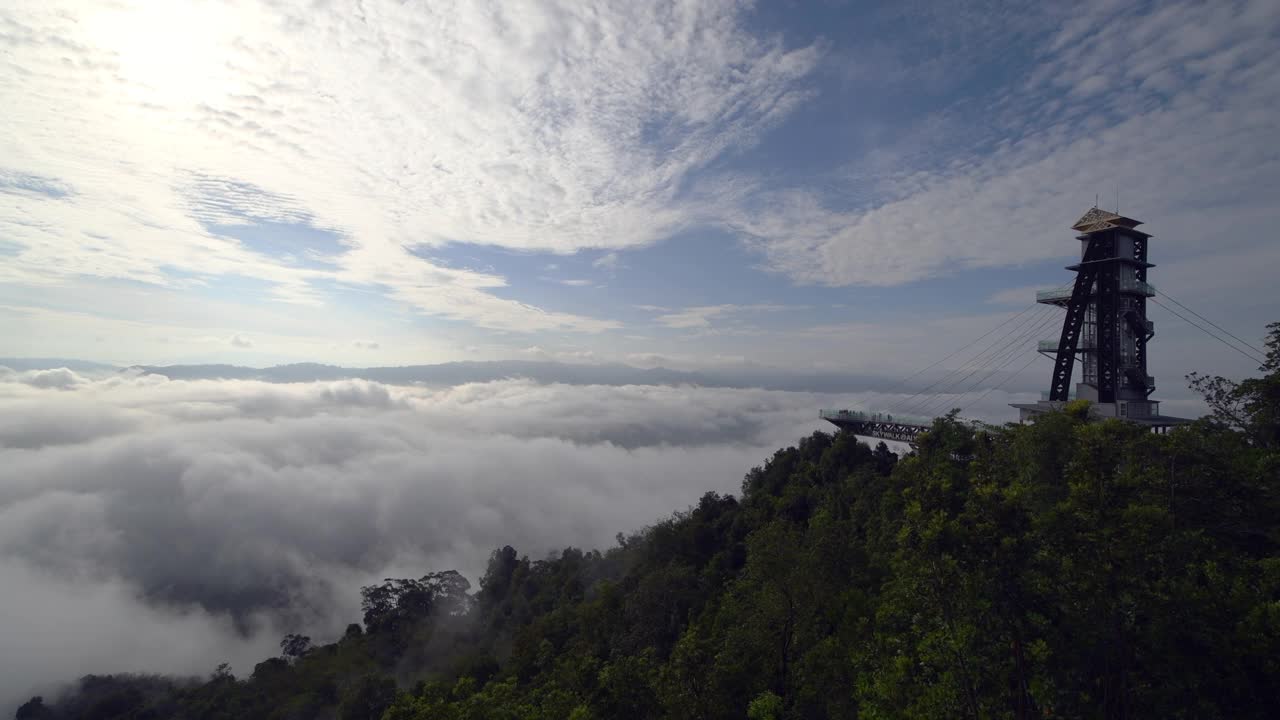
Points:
[997,362]
[1000,363]
[905,402]
[902,383]
[1224,330]
[1208,332]
[975,365]
[1003,382]
[979,363]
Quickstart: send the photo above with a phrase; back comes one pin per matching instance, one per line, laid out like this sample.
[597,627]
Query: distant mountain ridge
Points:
[24,364]
[456,373]
[451,373]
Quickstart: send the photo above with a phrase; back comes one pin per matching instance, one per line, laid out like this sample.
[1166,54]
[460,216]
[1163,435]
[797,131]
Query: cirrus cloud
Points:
[1118,95]
[551,126]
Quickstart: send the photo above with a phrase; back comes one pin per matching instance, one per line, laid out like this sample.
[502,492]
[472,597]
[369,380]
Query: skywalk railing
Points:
[1054,294]
[1142,288]
[1052,346]
[873,417]
[1064,293]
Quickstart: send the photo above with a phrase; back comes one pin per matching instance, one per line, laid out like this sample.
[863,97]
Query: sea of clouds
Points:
[157,525]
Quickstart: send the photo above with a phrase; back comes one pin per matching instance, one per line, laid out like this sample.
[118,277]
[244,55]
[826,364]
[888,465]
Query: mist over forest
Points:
[204,566]
[181,517]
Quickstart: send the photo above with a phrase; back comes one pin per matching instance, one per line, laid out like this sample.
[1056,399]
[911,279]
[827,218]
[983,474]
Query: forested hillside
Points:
[1064,569]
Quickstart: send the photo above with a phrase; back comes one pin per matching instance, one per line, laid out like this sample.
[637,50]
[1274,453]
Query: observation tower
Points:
[1105,327]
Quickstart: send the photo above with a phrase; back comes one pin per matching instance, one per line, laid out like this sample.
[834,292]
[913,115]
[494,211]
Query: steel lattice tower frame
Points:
[1106,320]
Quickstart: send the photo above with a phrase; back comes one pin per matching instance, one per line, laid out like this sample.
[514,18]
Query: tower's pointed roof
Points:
[1098,219]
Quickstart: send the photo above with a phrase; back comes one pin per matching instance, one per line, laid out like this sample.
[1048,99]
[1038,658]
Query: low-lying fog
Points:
[159,525]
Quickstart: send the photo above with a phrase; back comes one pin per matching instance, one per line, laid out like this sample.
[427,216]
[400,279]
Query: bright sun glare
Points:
[170,53]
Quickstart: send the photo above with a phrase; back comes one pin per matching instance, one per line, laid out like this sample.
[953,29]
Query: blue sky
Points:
[693,184]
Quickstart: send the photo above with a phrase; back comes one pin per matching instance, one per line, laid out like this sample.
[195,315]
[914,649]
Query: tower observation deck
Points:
[1105,330]
[1106,326]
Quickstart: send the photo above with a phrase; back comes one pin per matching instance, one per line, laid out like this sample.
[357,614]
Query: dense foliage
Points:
[1064,569]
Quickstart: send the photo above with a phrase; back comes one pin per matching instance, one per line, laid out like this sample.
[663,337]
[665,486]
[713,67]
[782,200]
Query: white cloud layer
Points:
[149,524]
[1171,105]
[702,317]
[88,626]
[135,125]
[173,511]
[142,137]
